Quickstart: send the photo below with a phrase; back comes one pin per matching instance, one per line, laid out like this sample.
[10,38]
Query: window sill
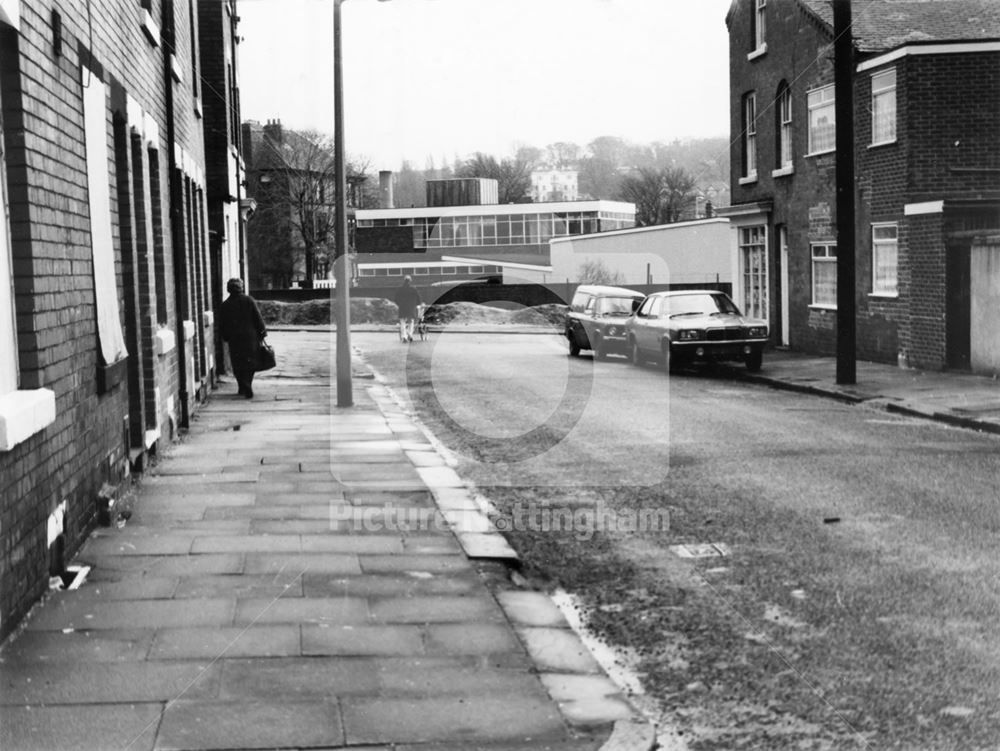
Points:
[748,180]
[175,69]
[883,295]
[820,153]
[759,52]
[893,142]
[817,306]
[783,172]
[110,376]
[165,341]
[24,413]
[150,29]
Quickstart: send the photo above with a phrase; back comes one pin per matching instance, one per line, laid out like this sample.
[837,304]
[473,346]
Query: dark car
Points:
[596,319]
[676,328]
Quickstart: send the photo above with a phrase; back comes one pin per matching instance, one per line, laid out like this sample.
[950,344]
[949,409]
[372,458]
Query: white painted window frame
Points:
[882,92]
[880,246]
[826,100]
[826,258]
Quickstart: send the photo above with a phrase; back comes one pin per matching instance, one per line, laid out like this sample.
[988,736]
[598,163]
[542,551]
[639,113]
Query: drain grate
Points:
[701,550]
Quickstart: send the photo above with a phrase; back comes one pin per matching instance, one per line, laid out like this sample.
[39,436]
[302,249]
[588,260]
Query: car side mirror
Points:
[635,305]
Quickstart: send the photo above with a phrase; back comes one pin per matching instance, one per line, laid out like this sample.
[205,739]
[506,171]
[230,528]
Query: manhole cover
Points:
[701,550]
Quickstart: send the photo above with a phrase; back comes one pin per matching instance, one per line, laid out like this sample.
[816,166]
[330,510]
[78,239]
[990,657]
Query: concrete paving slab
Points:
[486,545]
[112,645]
[324,585]
[473,718]
[433,564]
[371,544]
[440,477]
[302,610]
[239,587]
[414,677]
[434,609]
[297,678]
[162,544]
[293,498]
[107,682]
[166,566]
[119,614]
[362,640]
[211,643]
[425,458]
[470,638]
[194,726]
[247,544]
[130,588]
[296,565]
[169,499]
[85,726]
[421,497]
[558,650]
[531,609]
[309,507]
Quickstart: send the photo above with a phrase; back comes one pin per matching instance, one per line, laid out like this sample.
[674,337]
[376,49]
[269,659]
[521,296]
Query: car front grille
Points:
[719,335]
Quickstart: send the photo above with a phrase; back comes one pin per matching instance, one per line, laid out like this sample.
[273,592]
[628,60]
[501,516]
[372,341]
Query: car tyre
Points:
[574,348]
[636,354]
[754,360]
[668,364]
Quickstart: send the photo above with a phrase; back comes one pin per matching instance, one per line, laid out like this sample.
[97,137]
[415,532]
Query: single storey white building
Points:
[694,252]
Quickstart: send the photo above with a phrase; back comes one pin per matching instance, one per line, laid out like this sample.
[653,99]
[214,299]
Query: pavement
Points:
[293,575]
[958,399]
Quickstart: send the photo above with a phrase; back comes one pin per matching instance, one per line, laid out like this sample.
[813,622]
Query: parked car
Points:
[596,319]
[676,328]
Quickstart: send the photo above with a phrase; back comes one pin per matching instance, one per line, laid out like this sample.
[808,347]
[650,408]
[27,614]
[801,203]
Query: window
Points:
[8,337]
[884,107]
[885,254]
[784,129]
[824,276]
[750,137]
[822,121]
[109,328]
[753,270]
[760,25]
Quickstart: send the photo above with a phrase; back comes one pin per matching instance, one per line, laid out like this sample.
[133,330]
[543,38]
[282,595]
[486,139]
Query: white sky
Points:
[436,79]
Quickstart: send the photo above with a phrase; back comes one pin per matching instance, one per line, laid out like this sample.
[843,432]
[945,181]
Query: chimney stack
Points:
[386,200]
[272,130]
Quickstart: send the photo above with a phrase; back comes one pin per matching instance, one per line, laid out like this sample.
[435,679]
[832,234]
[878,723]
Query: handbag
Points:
[265,357]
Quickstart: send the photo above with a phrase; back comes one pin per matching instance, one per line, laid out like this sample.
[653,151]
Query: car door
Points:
[645,318]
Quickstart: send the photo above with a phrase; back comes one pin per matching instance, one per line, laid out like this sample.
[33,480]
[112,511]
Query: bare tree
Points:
[595,272]
[563,155]
[513,176]
[661,196]
[295,193]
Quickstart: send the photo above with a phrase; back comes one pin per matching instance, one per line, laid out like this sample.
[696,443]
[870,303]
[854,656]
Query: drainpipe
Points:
[176,212]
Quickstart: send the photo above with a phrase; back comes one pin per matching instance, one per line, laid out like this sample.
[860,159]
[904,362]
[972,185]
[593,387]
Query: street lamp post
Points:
[342,293]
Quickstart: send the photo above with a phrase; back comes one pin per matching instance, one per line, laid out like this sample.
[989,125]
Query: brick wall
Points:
[41,95]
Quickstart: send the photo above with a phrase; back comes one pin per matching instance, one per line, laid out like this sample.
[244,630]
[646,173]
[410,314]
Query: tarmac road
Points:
[858,604]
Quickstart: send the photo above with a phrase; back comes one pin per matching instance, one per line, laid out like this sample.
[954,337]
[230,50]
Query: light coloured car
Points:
[596,319]
[676,328]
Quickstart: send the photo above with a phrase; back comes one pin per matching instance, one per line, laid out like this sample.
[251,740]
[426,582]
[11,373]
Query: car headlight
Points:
[688,335]
[757,332]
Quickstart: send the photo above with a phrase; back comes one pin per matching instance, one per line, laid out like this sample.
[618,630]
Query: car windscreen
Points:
[699,305]
[614,306]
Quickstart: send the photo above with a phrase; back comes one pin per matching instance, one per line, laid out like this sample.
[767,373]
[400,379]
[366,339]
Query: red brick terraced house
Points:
[114,241]
[927,167]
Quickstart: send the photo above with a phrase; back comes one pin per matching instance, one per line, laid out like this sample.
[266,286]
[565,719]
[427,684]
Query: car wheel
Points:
[754,360]
[574,348]
[668,366]
[636,354]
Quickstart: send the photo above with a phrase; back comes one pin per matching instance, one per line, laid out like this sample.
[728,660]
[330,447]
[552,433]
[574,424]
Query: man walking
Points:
[407,300]
[242,329]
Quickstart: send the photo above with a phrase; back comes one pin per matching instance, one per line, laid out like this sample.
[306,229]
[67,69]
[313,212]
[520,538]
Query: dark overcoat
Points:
[242,329]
